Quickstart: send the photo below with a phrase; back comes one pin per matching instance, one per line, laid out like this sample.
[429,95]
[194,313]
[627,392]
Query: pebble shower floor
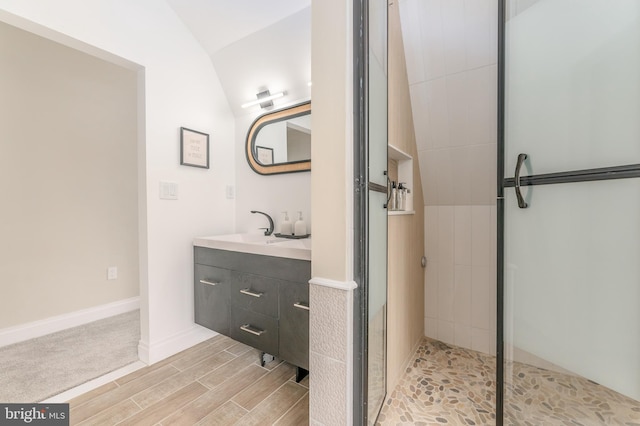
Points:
[447,384]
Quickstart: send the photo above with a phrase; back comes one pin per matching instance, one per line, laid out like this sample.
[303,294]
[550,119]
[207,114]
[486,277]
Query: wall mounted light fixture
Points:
[265,99]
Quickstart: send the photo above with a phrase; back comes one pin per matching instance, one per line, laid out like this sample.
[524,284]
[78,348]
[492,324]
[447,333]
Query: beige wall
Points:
[332,140]
[178,87]
[406,232]
[68,166]
[331,290]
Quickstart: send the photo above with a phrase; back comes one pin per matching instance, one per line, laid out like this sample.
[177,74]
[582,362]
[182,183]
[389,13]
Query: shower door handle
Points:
[386,205]
[521,203]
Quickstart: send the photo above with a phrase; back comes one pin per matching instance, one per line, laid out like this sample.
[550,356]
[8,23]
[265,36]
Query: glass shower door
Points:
[569,281]
[371,212]
[377,192]
[377,301]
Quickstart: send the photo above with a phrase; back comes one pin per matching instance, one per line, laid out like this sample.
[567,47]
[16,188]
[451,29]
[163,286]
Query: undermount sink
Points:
[266,245]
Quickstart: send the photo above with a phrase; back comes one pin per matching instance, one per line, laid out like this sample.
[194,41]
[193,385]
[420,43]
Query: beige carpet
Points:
[37,369]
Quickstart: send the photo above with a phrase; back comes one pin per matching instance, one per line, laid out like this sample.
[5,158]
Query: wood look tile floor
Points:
[218,382]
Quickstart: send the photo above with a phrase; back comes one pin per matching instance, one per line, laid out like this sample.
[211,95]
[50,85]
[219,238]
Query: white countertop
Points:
[258,244]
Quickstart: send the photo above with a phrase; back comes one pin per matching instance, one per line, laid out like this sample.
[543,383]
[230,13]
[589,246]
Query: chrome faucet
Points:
[269,230]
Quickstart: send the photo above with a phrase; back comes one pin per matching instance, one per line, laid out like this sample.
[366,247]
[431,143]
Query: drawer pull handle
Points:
[251,330]
[248,292]
[301,305]
[208,282]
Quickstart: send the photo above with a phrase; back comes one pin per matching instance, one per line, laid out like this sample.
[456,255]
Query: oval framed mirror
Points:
[280,141]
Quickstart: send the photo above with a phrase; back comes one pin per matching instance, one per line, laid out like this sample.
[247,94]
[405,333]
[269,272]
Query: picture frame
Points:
[194,148]
[265,155]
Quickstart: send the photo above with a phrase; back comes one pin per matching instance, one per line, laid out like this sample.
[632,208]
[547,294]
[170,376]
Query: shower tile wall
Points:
[451,52]
[460,283]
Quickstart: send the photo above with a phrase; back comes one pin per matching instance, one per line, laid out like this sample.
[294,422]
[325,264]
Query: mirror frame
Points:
[264,120]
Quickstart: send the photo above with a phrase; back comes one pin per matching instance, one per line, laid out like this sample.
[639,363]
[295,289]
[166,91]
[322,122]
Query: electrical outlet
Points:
[112,273]
[231,192]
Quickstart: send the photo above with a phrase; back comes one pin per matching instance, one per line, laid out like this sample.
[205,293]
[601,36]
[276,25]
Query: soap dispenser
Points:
[300,227]
[402,196]
[393,200]
[286,227]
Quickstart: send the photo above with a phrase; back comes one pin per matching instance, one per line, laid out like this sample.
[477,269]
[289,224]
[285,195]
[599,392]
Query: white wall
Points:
[180,89]
[277,57]
[68,160]
[451,53]
[270,194]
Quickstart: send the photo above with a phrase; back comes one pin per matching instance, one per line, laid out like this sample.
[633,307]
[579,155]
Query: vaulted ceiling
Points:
[254,45]
[218,23]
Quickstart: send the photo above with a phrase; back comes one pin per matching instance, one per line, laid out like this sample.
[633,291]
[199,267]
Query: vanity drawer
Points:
[294,323]
[212,292]
[257,330]
[255,293]
[266,266]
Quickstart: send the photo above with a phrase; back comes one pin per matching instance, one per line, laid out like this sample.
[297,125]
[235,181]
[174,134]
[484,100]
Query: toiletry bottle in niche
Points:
[393,201]
[286,227]
[409,204]
[402,196]
[300,227]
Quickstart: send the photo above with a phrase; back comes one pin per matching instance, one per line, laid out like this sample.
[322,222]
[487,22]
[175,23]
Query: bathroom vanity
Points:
[255,289]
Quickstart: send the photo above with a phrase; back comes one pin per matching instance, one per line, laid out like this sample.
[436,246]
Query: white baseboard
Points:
[20,333]
[150,353]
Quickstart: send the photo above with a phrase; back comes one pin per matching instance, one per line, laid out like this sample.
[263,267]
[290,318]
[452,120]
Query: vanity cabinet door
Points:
[294,323]
[255,293]
[253,329]
[212,296]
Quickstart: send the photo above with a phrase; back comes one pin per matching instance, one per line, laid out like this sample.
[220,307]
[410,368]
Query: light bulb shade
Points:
[266,98]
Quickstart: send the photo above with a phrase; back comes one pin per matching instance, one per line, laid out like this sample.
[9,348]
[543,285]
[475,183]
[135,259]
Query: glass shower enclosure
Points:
[370,155]
[569,203]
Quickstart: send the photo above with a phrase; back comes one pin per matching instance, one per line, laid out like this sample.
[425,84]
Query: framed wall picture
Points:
[265,155]
[194,148]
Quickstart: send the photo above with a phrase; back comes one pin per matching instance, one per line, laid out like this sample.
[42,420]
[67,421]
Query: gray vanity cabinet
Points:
[255,293]
[294,323]
[258,300]
[212,290]
[256,330]
[254,311]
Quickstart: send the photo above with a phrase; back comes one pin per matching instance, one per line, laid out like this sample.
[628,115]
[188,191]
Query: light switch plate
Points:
[168,191]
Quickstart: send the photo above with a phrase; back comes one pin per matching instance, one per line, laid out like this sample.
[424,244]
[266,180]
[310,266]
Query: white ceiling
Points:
[254,45]
[277,58]
[218,23]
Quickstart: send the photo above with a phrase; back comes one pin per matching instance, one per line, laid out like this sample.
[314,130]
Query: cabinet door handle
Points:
[251,330]
[248,292]
[301,305]
[207,282]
